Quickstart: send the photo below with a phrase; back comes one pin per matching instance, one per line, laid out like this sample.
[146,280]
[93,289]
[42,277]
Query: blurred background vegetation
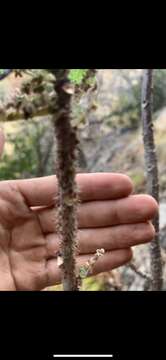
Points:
[109,123]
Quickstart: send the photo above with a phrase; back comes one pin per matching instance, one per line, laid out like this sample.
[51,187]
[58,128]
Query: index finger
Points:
[93,186]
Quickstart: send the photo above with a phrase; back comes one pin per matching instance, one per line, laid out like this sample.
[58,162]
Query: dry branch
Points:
[152,173]
[66,138]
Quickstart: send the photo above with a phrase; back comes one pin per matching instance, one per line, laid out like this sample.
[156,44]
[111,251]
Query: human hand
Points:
[109,217]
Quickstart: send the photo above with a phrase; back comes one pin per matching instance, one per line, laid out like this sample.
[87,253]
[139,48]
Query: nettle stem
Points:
[66,138]
[152,173]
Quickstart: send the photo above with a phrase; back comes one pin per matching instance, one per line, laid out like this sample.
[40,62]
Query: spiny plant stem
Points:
[66,157]
[152,174]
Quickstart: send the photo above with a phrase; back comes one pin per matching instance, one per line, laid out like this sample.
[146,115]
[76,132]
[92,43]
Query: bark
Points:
[152,174]
[66,138]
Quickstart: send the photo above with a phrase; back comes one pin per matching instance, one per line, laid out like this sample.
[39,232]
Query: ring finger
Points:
[110,238]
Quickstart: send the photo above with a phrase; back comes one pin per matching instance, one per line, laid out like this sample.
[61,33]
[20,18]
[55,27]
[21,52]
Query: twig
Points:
[66,156]
[14,115]
[152,174]
[138,272]
[87,269]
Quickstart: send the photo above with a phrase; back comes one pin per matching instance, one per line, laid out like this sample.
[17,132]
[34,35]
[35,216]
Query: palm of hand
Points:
[23,245]
[109,217]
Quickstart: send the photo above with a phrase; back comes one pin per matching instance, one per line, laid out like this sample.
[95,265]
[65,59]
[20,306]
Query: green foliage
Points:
[77,75]
[25,158]
[84,79]
[159,89]
[93,283]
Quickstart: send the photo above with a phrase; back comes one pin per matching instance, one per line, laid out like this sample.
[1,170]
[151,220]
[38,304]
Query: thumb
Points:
[2,141]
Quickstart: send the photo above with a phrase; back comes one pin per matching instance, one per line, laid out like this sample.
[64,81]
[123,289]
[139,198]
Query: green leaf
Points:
[77,75]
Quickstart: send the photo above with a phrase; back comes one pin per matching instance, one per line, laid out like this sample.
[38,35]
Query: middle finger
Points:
[96,214]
